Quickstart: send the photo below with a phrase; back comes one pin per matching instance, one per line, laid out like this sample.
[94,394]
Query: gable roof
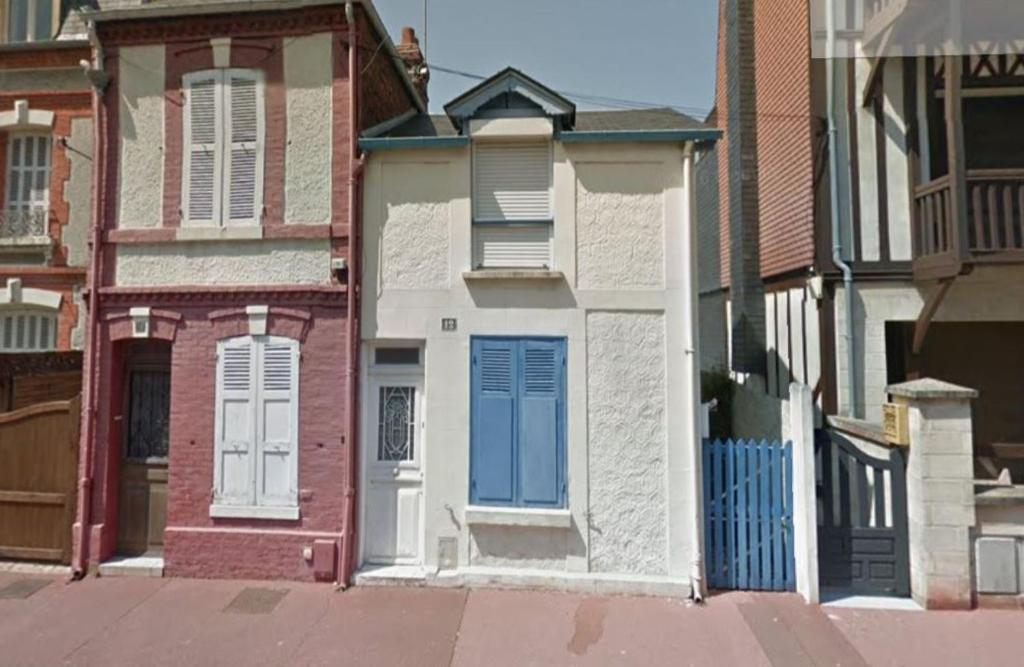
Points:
[510,81]
[651,125]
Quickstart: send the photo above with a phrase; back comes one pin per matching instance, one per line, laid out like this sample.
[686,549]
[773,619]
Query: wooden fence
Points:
[748,515]
[38,469]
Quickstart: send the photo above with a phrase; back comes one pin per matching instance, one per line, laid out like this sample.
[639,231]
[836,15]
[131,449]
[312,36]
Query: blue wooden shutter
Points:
[493,421]
[542,382]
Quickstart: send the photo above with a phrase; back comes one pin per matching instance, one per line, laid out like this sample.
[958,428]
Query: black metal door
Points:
[862,518]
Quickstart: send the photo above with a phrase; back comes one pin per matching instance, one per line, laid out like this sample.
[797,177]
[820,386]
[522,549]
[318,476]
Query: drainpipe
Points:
[691,373]
[98,78]
[837,239]
[346,558]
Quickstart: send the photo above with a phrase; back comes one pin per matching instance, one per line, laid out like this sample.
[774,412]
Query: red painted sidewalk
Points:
[115,621]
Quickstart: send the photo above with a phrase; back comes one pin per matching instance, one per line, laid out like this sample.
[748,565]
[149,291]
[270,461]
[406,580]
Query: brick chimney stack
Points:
[409,50]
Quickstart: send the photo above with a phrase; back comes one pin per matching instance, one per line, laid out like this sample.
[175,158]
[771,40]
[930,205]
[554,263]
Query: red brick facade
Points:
[188,321]
[56,275]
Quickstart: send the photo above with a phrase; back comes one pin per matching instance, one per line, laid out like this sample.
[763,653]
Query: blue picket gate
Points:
[748,515]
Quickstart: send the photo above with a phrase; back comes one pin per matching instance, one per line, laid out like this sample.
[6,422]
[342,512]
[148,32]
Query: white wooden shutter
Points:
[277,423]
[512,246]
[512,181]
[202,164]
[234,465]
[243,177]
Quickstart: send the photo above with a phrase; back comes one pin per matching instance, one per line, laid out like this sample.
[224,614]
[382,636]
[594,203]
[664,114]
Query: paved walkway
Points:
[125,621]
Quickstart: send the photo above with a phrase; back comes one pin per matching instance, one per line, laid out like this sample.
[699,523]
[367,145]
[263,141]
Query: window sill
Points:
[25,241]
[518,516]
[484,275]
[252,512]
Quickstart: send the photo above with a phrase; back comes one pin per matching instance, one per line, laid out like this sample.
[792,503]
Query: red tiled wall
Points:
[784,135]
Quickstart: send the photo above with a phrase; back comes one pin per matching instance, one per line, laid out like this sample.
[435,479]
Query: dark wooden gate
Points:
[38,469]
[748,515]
[862,518]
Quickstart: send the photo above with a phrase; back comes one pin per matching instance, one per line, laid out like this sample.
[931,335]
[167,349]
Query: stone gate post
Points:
[940,491]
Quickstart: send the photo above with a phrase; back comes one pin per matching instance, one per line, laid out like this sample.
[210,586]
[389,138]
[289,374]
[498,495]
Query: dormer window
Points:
[512,209]
[30,20]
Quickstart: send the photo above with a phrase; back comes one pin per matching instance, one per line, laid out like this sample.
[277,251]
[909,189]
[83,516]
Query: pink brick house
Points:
[219,376]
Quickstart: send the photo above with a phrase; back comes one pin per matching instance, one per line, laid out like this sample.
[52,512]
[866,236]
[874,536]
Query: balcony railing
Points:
[993,228]
[15,224]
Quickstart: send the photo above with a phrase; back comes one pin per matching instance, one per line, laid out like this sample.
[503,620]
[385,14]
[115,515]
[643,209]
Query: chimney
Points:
[409,50]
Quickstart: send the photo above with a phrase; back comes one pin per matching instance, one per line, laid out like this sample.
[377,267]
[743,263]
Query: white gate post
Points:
[805,504]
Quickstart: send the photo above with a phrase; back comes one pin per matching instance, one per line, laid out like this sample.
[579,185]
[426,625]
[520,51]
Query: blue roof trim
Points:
[641,135]
[371,144]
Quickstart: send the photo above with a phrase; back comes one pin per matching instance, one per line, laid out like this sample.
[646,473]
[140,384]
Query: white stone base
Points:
[142,566]
[529,579]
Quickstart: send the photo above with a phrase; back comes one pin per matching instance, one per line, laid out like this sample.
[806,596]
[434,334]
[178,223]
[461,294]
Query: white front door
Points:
[393,480]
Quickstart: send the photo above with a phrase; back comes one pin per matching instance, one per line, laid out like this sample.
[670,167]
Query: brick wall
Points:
[196,544]
[740,201]
[55,275]
[785,159]
[383,93]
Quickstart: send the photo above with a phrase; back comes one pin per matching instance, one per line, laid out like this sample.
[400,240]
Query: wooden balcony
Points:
[992,231]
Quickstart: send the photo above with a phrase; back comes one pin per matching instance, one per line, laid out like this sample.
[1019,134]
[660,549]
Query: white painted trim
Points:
[22,117]
[518,516]
[253,512]
[29,296]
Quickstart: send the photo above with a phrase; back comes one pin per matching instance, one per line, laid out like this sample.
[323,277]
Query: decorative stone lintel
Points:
[257,319]
[929,389]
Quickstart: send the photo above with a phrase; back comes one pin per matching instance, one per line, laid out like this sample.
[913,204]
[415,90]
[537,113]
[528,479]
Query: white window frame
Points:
[255,507]
[38,200]
[483,222]
[32,339]
[223,145]
[31,9]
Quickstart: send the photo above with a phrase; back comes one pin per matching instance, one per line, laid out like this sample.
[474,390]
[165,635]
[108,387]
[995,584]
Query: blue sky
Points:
[653,51]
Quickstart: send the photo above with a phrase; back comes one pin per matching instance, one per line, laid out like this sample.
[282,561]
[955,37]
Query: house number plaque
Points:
[449,324]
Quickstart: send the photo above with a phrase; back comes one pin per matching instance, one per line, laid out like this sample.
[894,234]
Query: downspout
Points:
[98,79]
[691,371]
[837,239]
[348,543]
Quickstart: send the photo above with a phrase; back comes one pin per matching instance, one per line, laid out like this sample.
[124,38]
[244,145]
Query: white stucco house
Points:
[529,388]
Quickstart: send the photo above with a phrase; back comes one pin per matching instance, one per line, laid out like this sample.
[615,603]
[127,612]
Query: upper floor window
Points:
[28,186]
[222,174]
[512,210]
[29,330]
[30,20]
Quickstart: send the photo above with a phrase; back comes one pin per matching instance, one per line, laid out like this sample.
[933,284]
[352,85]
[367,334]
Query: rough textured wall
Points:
[235,263]
[141,117]
[308,79]
[626,424]
[620,225]
[415,238]
[78,193]
[709,230]
[785,159]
